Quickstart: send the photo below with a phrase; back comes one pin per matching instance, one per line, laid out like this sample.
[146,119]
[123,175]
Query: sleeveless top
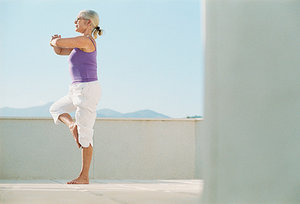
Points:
[83,65]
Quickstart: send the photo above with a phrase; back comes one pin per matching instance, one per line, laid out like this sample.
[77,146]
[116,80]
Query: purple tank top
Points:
[83,65]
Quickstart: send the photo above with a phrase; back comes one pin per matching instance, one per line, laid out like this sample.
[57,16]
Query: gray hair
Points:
[93,16]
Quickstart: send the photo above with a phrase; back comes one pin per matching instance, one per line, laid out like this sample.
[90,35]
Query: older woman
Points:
[84,92]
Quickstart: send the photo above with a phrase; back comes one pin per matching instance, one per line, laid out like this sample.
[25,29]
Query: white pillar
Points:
[252,102]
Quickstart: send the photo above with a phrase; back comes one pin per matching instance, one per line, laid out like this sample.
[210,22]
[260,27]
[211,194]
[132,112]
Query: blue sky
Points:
[149,57]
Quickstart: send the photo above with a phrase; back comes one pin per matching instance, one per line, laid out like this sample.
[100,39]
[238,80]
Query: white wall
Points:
[123,149]
[252,102]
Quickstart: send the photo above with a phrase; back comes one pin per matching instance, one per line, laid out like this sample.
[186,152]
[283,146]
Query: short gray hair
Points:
[93,16]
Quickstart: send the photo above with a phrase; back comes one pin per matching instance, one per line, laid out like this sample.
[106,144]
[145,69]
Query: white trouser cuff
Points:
[55,116]
[85,136]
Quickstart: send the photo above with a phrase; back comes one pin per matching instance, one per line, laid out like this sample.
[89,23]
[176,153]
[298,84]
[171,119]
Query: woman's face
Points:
[81,24]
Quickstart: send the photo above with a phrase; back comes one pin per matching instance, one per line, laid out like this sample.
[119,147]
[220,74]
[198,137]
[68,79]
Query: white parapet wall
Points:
[36,148]
[252,102]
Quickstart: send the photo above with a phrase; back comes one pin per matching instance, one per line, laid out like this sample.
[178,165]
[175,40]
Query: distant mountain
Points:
[37,111]
[43,111]
[145,114]
[195,116]
[108,113]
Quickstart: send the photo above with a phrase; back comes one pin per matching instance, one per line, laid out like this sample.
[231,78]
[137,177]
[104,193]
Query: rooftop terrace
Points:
[101,191]
[135,161]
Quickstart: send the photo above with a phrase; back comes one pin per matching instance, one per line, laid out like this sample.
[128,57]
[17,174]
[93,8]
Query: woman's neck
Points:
[87,32]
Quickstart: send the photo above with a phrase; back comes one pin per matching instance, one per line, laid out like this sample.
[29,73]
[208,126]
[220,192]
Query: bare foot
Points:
[79,180]
[74,131]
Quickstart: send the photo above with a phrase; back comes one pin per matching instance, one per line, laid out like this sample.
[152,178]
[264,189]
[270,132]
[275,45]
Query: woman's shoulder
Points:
[92,39]
[89,40]
[86,38]
[82,38]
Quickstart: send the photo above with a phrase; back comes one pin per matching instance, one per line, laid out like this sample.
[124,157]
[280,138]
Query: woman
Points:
[84,92]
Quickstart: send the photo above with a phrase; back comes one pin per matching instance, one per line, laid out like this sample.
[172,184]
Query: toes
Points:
[75,181]
[71,182]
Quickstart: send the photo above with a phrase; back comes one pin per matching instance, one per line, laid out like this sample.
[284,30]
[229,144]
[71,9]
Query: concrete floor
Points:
[101,192]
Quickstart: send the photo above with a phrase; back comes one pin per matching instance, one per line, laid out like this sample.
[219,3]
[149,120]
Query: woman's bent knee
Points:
[55,113]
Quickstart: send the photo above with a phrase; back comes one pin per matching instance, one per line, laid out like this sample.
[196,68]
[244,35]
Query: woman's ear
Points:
[89,22]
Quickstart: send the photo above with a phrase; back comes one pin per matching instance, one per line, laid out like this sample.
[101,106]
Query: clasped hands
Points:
[52,43]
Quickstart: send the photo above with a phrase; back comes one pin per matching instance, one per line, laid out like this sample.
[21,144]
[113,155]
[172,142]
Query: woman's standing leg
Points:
[83,178]
[85,119]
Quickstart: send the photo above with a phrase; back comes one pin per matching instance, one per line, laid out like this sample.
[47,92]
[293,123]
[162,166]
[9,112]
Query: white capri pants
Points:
[82,98]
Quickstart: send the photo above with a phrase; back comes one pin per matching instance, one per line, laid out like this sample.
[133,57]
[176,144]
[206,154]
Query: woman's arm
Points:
[65,51]
[60,50]
[79,42]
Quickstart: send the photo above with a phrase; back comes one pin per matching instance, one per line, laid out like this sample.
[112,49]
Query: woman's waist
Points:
[84,83]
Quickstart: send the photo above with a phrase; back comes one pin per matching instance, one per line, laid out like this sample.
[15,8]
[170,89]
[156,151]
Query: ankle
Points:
[84,176]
